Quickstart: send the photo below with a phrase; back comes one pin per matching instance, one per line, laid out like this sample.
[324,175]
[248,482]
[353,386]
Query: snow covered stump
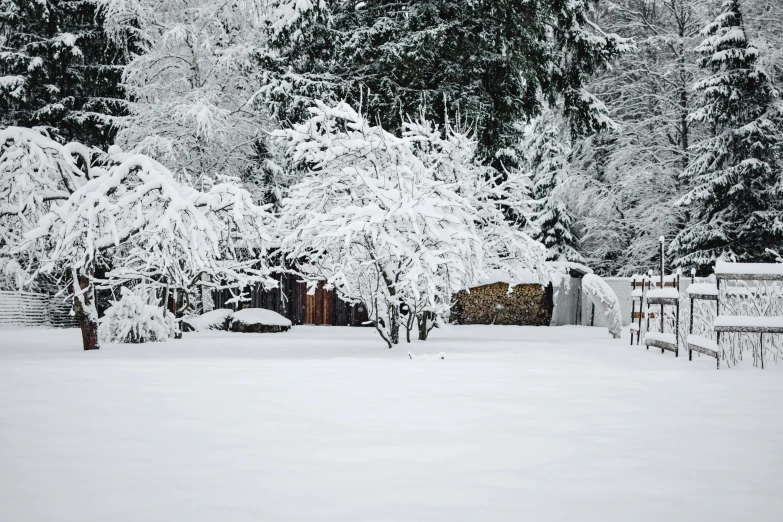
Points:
[259,320]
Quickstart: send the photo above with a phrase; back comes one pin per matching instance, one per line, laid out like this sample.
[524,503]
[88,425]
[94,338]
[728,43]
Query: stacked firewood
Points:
[493,304]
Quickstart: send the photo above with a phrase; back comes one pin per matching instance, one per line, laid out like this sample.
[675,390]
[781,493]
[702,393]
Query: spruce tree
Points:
[546,158]
[736,196]
[491,63]
[59,71]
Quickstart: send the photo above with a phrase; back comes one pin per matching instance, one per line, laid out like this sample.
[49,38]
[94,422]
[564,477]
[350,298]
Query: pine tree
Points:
[737,195]
[546,155]
[59,71]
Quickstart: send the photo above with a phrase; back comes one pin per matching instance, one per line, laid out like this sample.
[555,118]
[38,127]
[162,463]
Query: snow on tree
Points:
[623,184]
[35,174]
[605,301]
[388,221]
[494,63]
[546,157]
[58,70]
[736,198]
[136,318]
[160,234]
[193,87]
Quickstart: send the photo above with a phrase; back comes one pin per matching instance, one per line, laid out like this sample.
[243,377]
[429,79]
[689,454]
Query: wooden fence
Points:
[26,309]
[290,299]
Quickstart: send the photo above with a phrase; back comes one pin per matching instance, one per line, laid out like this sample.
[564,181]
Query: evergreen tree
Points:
[546,155]
[59,71]
[737,196]
[489,62]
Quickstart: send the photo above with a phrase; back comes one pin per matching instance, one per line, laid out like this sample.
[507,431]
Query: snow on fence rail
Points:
[31,309]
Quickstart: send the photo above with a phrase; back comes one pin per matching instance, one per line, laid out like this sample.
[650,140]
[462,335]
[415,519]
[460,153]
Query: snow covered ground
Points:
[325,424]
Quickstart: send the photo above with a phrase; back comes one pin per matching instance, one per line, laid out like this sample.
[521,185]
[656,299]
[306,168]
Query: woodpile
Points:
[492,304]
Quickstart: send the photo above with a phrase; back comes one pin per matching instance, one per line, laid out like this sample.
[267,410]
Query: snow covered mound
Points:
[219,319]
[133,319]
[606,302]
[259,320]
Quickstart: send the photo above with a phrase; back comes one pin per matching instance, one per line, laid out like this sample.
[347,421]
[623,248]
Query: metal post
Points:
[677,330]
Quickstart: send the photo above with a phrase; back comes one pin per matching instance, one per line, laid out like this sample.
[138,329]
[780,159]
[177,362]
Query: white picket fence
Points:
[26,309]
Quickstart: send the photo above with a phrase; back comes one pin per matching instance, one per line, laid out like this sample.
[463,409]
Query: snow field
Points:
[323,424]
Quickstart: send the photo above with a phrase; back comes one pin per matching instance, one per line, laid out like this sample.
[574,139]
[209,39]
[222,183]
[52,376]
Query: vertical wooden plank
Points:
[329,309]
[318,317]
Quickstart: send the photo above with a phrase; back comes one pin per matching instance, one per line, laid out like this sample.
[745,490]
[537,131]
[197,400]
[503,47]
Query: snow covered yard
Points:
[324,424]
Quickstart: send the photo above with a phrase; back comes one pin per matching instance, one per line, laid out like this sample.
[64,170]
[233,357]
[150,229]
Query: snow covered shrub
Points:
[135,319]
[259,320]
[219,319]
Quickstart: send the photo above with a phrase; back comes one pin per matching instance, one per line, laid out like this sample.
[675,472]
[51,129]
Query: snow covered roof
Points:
[567,266]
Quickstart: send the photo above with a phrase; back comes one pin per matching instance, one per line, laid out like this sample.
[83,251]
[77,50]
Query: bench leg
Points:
[690,354]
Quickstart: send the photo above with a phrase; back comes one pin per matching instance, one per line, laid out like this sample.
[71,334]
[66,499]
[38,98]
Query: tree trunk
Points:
[174,298]
[410,320]
[423,326]
[206,295]
[84,306]
[394,324]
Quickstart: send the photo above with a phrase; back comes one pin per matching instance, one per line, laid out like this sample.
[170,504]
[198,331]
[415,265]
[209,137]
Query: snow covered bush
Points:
[136,319]
[219,319]
[605,301]
[391,221]
[259,320]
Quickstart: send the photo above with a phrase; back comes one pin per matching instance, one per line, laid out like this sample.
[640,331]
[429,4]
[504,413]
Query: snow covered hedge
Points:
[133,319]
